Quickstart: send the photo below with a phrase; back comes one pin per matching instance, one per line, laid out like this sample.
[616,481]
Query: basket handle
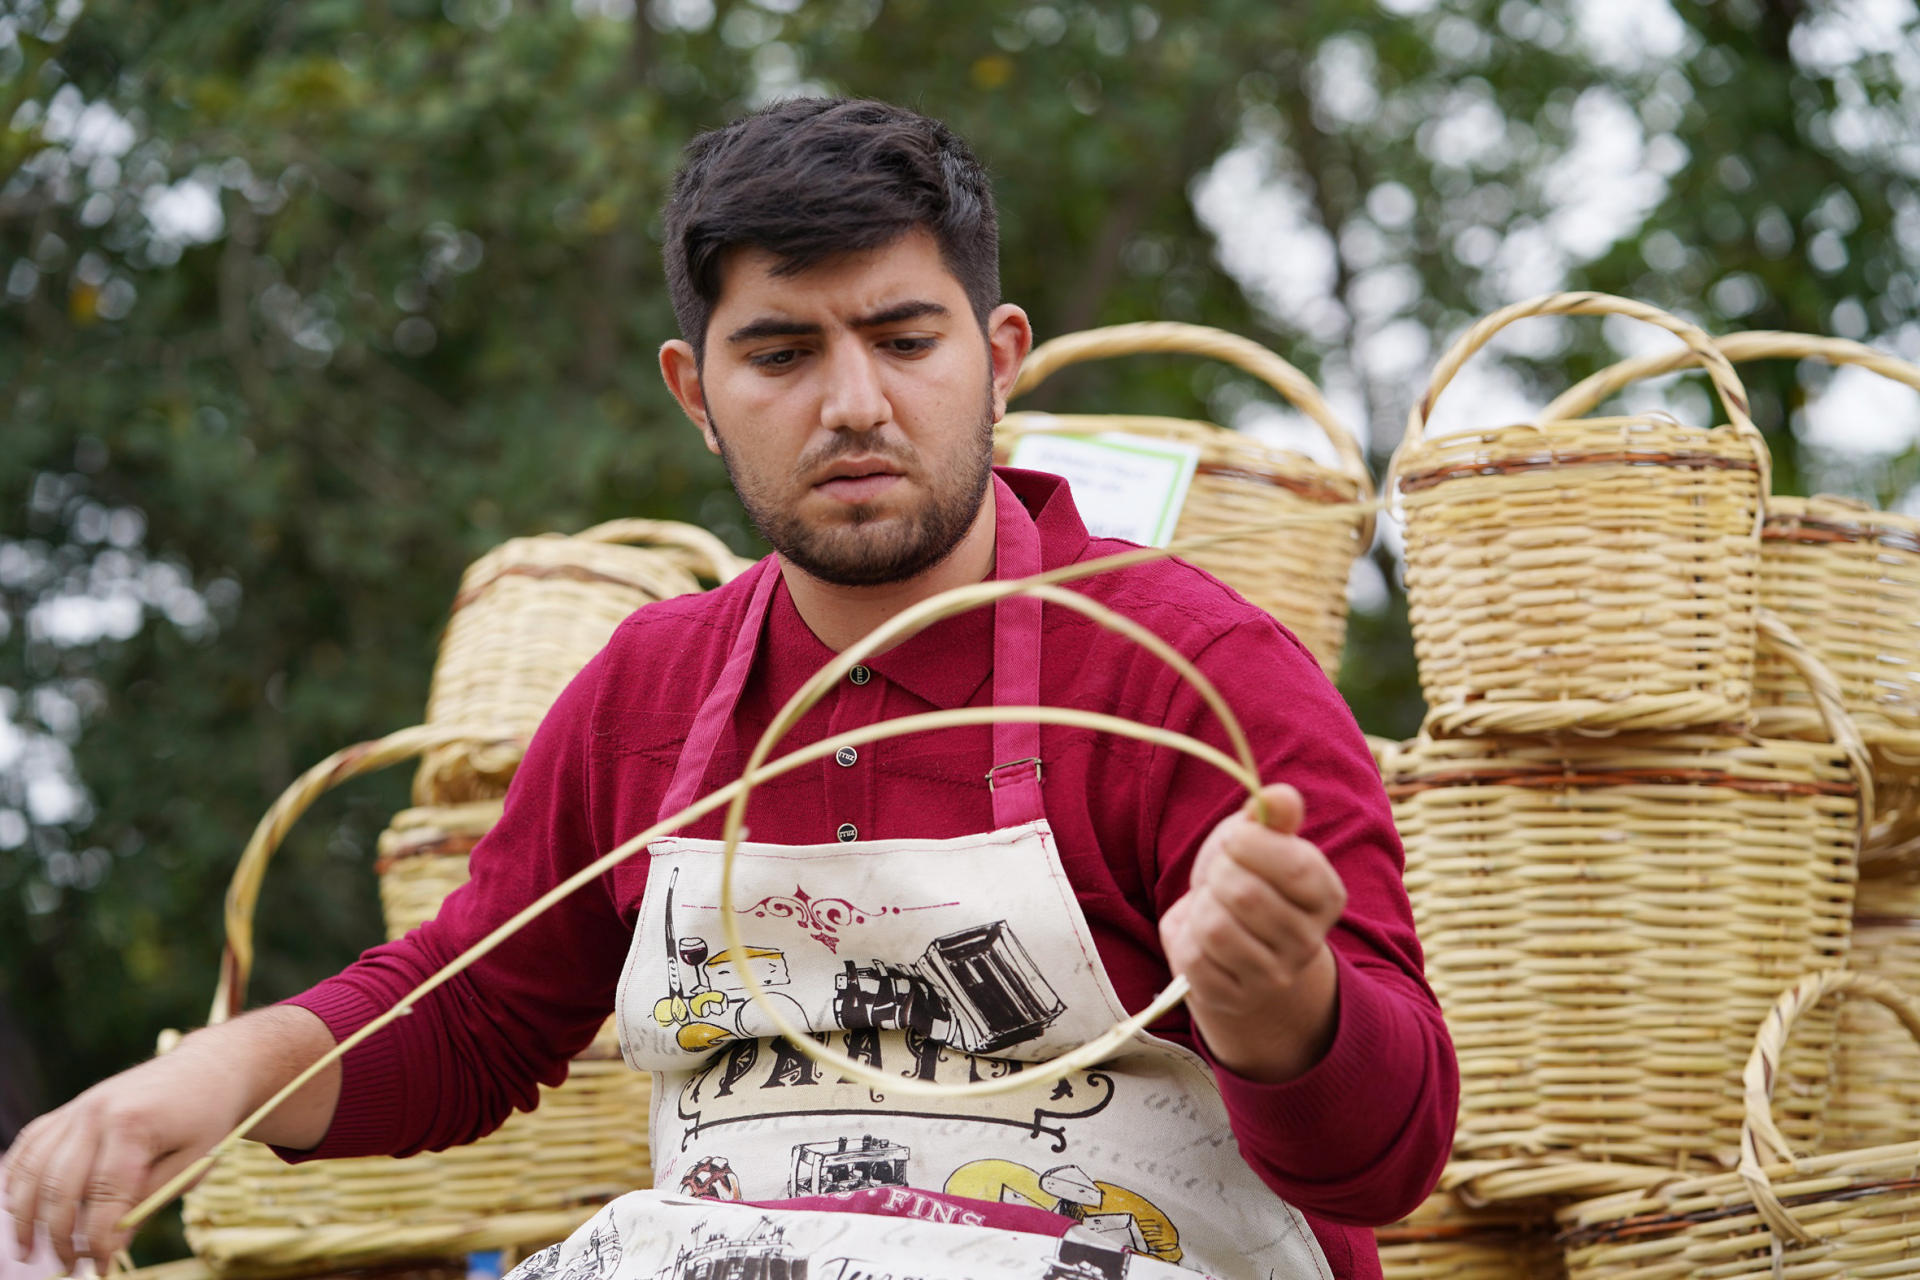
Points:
[1760,344]
[1701,349]
[1827,699]
[243,892]
[1199,340]
[1760,1139]
[689,546]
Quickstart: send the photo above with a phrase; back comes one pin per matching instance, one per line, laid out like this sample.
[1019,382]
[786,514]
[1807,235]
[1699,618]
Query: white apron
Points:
[944,959]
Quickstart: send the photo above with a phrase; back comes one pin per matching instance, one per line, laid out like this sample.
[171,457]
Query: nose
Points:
[853,398]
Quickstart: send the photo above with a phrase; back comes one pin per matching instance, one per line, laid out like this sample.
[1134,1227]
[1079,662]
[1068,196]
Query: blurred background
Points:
[303,306]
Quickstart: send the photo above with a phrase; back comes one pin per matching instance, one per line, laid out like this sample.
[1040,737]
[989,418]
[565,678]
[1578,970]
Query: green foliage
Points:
[424,320]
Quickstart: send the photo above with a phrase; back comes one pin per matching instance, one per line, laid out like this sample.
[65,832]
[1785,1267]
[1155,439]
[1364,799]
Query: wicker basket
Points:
[1850,1214]
[1576,898]
[1876,1071]
[423,858]
[1846,577]
[1587,574]
[1298,574]
[532,1181]
[529,615]
[1445,1239]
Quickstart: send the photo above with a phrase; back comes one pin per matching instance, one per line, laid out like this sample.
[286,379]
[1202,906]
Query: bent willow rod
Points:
[1046,586]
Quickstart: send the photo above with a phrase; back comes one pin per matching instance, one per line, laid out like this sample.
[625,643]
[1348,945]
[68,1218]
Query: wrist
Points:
[1285,1039]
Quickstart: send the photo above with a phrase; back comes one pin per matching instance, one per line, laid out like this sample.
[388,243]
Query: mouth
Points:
[858,480]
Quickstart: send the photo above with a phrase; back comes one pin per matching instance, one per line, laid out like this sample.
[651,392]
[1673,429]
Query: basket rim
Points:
[1699,346]
[1322,483]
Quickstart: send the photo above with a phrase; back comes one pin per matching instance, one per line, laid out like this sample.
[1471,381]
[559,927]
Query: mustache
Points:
[847,444]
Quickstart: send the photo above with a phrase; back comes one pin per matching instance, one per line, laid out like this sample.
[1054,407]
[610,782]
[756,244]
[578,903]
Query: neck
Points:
[841,615]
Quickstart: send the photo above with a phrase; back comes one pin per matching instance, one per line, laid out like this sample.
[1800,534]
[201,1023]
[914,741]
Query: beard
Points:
[864,549]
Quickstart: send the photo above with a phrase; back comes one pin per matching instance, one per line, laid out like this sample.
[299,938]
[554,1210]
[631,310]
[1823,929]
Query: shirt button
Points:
[847,832]
[860,675]
[845,757]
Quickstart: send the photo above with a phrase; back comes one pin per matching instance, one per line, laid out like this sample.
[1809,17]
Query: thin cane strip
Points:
[243,893]
[906,624]
[1298,574]
[1242,771]
[960,600]
[962,717]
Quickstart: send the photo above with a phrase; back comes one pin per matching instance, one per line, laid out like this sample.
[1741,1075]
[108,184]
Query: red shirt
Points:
[1359,1139]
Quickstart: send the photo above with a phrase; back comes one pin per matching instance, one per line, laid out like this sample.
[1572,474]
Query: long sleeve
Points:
[474,1049]
[1362,1137]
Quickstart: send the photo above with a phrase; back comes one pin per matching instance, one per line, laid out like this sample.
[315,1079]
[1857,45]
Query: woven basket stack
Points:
[1297,574]
[1661,706]
[528,616]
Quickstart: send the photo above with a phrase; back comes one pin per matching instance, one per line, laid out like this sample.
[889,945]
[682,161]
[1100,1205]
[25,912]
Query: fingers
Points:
[1293,867]
[118,1179]
[1285,809]
[24,1159]
[63,1176]
[1259,906]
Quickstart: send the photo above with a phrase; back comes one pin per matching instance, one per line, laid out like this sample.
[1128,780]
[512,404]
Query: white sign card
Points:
[1129,487]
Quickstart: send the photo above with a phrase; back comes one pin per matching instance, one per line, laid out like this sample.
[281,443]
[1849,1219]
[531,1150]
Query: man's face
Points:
[853,404]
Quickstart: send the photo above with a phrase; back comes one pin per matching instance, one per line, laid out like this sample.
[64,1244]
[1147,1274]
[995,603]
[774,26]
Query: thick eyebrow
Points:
[769,327]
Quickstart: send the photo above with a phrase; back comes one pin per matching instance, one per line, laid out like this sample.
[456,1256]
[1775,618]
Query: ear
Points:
[1009,338]
[681,372]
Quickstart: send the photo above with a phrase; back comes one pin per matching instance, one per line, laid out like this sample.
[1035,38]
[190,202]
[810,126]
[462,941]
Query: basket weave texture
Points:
[531,1181]
[423,858]
[1577,897]
[1846,578]
[1876,1066]
[1849,1214]
[528,616]
[1583,574]
[1445,1239]
[1298,573]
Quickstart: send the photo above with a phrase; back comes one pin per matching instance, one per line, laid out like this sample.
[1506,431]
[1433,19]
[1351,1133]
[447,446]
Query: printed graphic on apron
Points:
[711,1178]
[761,1254]
[954,960]
[1124,1218]
[976,988]
[752,1083]
[823,1168]
[740,1242]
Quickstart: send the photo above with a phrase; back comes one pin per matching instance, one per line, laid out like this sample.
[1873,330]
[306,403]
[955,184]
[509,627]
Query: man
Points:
[948,907]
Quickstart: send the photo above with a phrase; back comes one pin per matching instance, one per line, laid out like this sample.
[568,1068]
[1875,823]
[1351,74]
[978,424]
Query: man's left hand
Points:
[1250,934]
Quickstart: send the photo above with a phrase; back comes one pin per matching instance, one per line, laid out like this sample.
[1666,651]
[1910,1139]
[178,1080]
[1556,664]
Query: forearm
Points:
[256,1055]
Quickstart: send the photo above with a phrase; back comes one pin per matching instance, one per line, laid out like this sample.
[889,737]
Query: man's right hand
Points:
[76,1171]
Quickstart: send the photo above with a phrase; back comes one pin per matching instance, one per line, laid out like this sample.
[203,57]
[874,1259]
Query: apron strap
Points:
[1015,776]
[716,713]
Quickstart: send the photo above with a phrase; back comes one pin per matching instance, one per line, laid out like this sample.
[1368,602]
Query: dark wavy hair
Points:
[813,177]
